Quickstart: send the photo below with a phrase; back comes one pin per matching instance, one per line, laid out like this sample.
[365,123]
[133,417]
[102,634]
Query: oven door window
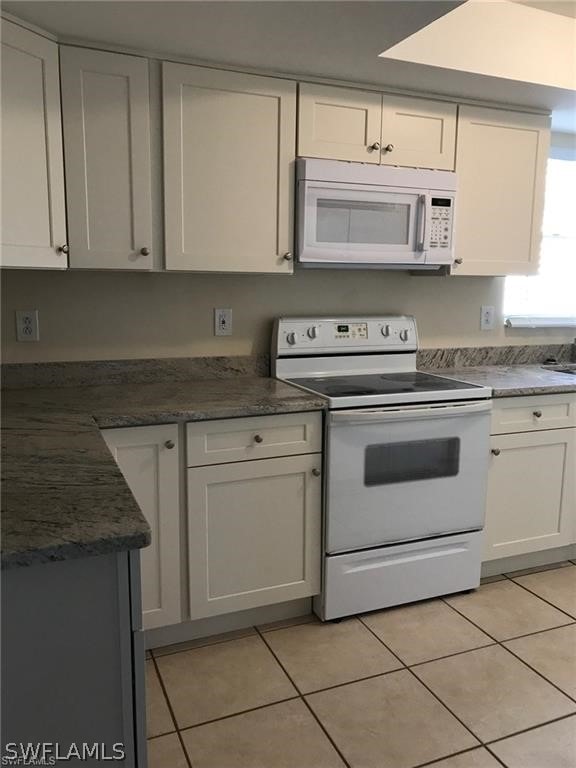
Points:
[412,460]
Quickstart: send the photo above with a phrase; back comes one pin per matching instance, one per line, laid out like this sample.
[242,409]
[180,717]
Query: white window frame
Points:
[563,147]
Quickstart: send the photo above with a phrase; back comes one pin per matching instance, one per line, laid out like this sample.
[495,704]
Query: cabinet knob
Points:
[495,451]
[288,256]
[537,414]
[458,261]
[63,248]
[258,439]
[145,251]
[316,472]
[169,444]
[374,146]
[388,148]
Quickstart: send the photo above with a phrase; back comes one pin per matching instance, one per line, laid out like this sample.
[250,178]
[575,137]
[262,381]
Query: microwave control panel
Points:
[441,214]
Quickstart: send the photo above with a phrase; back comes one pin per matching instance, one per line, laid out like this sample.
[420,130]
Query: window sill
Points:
[533,321]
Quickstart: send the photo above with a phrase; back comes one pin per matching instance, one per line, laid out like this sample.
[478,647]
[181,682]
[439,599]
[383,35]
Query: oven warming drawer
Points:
[378,578]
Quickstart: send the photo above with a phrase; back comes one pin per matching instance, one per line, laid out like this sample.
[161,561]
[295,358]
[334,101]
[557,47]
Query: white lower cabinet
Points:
[149,460]
[253,533]
[531,502]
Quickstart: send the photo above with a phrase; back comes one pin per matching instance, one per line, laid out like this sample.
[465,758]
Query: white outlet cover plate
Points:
[487,314]
[27,328]
[223,322]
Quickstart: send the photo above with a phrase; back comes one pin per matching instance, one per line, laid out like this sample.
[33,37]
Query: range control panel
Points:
[318,336]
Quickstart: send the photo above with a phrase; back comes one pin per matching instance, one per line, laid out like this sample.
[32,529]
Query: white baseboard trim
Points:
[532,560]
[215,625]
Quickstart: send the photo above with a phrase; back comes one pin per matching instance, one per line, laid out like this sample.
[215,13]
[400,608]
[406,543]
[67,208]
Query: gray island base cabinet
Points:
[73,657]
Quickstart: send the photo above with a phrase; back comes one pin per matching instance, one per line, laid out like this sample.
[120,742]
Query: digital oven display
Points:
[353,331]
[443,202]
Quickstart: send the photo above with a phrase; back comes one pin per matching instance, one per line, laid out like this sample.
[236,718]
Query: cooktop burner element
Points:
[377,384]
[361,362]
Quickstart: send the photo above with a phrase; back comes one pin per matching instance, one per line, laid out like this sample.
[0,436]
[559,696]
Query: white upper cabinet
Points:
[370,127]
[501,166]
[418,133]
[339,123]
[106,113]
[33,212]
[228,170]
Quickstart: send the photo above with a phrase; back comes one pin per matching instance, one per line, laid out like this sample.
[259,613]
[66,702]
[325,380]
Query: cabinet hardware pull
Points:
[145,251]
[63,248]
[388,148]
[258,439]
[169,444]
[316,472]
[495,451]
[537,414]
[374,146]
[458,261]
[288,256]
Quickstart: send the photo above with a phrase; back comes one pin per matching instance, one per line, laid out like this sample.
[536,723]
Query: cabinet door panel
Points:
[106,112]
[254,534]
[151,470]
[501,165]
[33,217]
[423,133]
[228,158]
[339,123]
[531,503]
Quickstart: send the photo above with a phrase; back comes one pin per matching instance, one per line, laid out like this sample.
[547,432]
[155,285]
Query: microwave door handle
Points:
[422,215]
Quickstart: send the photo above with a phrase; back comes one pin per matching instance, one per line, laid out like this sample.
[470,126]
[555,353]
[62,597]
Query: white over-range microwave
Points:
[354,215]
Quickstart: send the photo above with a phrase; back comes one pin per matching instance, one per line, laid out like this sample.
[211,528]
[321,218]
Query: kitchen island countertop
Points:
[63,494]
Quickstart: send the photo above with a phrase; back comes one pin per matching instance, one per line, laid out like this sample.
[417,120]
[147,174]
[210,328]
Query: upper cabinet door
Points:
[228,170]
[33,213]
[106,112]
[418,133]
[339,123]
[501,167]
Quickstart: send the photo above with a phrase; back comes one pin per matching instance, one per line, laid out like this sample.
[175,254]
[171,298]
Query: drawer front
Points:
[260,437]
[527,414]
[380,578]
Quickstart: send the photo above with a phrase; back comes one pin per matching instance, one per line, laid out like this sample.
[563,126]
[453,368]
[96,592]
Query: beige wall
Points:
[98,315]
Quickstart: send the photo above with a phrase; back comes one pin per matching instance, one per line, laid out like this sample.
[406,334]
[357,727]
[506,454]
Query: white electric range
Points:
[406,462]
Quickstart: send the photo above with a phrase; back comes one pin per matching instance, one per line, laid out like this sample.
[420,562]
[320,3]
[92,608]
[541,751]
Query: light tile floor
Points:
[482,680]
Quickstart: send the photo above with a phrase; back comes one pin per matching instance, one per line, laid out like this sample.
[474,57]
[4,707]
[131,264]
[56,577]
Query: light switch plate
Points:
[223,322]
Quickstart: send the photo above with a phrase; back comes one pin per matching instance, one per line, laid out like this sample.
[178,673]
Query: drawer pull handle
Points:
[169,444]
[537,414]
[316,472]
[495,451]
[258,439]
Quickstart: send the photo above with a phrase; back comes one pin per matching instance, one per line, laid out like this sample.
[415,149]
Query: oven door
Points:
[396,474]
[356,224]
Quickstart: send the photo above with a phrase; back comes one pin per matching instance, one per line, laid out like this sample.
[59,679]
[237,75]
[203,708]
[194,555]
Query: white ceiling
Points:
[340,40]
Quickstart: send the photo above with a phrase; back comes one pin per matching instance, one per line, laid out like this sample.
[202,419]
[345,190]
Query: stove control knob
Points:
[403,334]
[292,338]
[312,332]
[385,331]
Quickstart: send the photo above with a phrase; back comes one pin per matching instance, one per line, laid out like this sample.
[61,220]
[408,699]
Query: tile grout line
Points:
[306,704]
[408,669]
[534,594]
[172,715]
[236,714]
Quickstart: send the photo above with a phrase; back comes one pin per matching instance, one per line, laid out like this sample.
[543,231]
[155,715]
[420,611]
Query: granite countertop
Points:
[513,380]
[63,494]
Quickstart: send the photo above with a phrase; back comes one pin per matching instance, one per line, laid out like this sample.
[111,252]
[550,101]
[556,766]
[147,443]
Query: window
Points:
[549,298]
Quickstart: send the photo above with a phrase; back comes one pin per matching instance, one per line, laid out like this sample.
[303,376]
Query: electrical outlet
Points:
[487,317]
[27,325]
[223,322]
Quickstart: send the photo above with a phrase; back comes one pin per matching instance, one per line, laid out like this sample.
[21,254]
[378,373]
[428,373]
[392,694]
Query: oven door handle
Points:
[409,413]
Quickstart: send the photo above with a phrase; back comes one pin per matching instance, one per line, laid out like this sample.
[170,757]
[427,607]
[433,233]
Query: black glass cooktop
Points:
[357,385]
